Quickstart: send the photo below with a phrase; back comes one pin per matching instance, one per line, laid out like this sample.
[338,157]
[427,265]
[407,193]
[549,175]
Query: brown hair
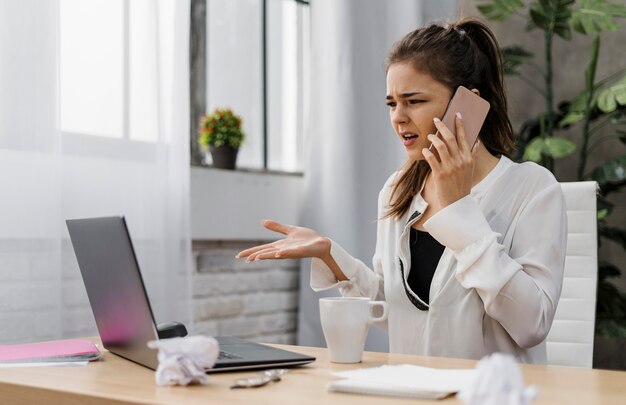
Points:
[461,53]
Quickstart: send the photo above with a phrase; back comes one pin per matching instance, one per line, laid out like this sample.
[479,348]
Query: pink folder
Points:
[58,350]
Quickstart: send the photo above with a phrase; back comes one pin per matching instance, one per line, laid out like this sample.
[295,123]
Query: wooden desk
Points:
[114,380]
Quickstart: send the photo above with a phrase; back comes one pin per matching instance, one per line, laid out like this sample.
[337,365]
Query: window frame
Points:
[197,78]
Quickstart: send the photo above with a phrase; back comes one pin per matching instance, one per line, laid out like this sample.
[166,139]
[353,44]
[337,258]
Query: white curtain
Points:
[351,146]
[48,174]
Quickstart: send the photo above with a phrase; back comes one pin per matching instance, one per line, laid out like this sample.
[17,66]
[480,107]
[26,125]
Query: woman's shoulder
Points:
[521,184]
[389,183]
[391,179]
[529,173]
[385,192]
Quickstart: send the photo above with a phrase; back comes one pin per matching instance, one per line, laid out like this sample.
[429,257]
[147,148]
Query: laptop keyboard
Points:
[226,355]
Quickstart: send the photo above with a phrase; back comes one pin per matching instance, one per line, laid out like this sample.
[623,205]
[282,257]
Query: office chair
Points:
[570,341]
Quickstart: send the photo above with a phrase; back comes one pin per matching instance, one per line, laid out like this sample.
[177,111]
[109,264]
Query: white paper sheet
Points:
[404,380]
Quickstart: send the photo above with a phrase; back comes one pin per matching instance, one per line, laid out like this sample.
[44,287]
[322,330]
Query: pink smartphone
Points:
[473,109]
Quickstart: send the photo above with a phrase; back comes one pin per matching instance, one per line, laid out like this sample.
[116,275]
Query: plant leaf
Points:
[553,147]
[611,301]
[606,102]
[610,327]
[611,175]
[618,118]
[513,57]
[579,102]
[571,118]
[613,233]
[590,72]
[602,204]
[607,270]
[557,147]
[534,149]
[577,108]
[500,10]
[597,16]
[609,99]
[553,16]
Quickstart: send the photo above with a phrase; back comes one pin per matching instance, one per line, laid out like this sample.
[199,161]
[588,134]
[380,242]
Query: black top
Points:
[425,255]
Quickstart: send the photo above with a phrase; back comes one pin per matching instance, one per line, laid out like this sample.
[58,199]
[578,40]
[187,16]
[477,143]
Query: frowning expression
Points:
[414,99]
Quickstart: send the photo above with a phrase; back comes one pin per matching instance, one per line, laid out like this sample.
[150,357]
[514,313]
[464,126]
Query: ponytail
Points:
[497,135]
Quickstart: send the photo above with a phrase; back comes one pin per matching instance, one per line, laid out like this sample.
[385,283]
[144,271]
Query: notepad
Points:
[67,350]
[404,380]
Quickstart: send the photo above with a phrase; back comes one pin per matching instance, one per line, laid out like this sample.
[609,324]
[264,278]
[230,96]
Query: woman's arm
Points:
[331,265]
[520,288]
[362,281]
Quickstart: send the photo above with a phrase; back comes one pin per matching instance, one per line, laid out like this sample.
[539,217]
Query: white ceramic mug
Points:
[345,322]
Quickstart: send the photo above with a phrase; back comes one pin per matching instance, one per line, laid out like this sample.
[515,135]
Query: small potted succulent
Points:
[220,132]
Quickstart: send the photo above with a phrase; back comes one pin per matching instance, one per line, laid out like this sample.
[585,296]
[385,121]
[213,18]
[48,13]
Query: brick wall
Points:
[257,301]
[38,302]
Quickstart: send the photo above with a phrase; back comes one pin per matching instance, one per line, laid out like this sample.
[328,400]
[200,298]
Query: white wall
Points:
[229,205]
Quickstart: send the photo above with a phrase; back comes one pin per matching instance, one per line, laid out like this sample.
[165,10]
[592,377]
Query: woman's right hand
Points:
[299,243]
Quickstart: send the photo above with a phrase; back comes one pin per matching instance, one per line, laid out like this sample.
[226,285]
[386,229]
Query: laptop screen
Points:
[114,286]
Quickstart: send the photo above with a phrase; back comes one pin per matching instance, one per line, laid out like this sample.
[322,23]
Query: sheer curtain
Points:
[51,170]
[351,149]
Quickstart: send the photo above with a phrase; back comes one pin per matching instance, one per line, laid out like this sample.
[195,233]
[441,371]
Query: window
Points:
[108,88]
[255,61]
[257,64]
[92,67]
[288,79]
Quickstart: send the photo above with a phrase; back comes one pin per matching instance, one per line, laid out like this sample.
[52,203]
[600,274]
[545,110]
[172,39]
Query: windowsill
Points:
[251,171]
[95,146]
[230,204]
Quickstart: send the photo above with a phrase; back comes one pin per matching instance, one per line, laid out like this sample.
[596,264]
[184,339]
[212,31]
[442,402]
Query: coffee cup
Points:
[345,322]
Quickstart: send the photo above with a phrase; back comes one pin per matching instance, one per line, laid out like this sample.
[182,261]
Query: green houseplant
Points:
[221,132]
[595,116]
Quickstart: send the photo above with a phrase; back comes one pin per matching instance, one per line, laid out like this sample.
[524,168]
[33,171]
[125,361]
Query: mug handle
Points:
[381,318]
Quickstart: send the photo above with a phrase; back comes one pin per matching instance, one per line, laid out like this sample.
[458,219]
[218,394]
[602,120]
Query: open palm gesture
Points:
[299,242]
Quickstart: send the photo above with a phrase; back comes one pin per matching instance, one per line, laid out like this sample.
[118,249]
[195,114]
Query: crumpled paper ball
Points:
[498,381]
[182,360]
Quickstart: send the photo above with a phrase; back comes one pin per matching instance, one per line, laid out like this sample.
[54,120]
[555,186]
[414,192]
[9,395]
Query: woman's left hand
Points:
[453,168]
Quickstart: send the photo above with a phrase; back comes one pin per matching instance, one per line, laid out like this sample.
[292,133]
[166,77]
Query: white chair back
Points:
[570,341]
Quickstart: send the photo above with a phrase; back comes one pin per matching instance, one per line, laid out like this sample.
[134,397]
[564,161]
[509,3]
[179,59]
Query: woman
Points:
[470,245]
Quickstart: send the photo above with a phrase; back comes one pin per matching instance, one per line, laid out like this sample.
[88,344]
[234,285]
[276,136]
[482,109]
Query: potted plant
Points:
[599,114]
[220,132]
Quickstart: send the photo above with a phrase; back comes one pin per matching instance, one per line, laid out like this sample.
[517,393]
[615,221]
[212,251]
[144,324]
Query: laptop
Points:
[121,308]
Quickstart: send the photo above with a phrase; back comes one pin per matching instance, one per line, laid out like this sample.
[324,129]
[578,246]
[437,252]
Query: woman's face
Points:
[414,99]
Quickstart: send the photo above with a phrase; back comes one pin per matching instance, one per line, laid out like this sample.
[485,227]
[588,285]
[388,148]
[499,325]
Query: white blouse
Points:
[498,282]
